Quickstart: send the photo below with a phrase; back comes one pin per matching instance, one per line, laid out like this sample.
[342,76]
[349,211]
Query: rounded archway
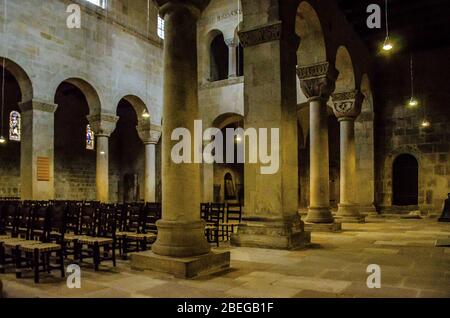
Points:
[218,58]
[229,176]
[127,157]
[346,79]
[308,27]
[405,180]
[74,141]
[16,88]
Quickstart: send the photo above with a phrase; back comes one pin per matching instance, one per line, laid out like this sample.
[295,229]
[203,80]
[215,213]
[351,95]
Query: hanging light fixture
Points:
[145,114]
[387,45]
[2,138]
[413,102]
[425,123]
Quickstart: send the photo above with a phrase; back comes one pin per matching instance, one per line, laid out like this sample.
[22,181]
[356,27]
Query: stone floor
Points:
[334,266]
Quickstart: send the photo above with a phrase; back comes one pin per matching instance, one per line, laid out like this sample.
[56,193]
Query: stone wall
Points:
[399,130]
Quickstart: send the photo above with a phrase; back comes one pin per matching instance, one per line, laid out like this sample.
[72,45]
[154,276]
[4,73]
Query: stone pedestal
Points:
[37,151]
[103,125]
[347,107]
[336,226]
[271,199]
[272,233]
[182,267]
[181,247]
[318,82]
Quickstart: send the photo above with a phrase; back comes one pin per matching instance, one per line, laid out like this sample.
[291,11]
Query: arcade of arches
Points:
[95,115]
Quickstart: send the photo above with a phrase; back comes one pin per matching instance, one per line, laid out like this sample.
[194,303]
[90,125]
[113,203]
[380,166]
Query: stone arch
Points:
[308,27]
[226,119]
[22,78]
[344,64]
[89,92]
[138,105]
[218,56]
[388,171]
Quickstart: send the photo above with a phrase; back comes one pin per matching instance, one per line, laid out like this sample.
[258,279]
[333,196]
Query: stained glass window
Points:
[90,139]
[14,126]
[161,28]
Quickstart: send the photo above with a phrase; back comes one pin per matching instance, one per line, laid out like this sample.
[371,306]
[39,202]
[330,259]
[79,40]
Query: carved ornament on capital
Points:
[347,105]
[317,80]
[103,124]
[261,34]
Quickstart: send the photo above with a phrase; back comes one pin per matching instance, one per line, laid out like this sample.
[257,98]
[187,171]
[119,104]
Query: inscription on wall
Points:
[237,13]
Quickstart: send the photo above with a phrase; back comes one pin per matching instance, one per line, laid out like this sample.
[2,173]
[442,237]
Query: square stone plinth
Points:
[351,219]
[272,235]
[186,267]
[323,227]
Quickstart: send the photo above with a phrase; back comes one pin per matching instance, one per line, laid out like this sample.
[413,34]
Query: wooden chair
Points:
[36,253]
[103,236]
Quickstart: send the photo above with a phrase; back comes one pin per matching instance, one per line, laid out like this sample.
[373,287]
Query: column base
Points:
[272,233]
[181,239]
[186,267]
[349,214]
[319,215]
[368,209]
[323,227]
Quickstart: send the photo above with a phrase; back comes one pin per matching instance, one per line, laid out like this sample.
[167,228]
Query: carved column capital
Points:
[103,124]
[317,80]
[195,6]
[149,134]
[347,105]
[232,42]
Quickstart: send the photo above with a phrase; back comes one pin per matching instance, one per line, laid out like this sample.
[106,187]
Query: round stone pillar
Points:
[346,107]
[103,125]
[180,232]
[318,82]
[232,57]
[150,137]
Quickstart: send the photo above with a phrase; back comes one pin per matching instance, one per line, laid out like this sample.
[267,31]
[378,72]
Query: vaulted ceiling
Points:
[414,24]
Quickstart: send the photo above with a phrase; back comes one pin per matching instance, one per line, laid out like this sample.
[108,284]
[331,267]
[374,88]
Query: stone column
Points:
[232,57]
[150,137]
[346,107]
[318,82]
[37,150]
[181,247]
[103,125]
[271,217]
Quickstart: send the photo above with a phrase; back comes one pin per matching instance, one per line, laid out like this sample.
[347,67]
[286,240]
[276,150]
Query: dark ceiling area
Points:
[414,25]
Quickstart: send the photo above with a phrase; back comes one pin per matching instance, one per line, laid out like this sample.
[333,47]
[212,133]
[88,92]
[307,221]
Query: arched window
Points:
[405,180]
[90,138]
[219,59]
[15,126]
[161,27]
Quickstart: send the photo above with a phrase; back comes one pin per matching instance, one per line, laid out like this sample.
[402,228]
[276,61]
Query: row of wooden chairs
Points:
[221,220]
[31,231]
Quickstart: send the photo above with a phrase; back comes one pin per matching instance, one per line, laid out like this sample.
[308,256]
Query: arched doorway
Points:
[405,180]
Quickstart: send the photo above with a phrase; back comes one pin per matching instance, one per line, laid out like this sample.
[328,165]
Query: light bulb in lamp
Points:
[145,114]
[425,123]
[238,138]
[2,140]
[413,102]
[387,45]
